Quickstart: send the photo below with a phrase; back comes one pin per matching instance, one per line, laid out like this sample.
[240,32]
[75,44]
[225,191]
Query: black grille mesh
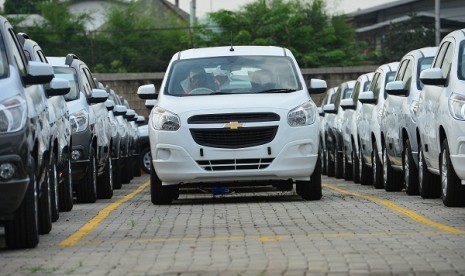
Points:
[235,164]
[233,117]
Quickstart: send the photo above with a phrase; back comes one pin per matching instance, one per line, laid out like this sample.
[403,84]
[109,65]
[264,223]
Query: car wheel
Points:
[159,194]
[45,210]
[409,170]
[391,179]
[105,181]
[355,165]
[312,189]
[86,189]
[53,183]
[347,167]
[453,193]
[66,188]
[117,181]
[427,182]
[23,231]
[125,174]
[365,171]
[338,163]
[377,168]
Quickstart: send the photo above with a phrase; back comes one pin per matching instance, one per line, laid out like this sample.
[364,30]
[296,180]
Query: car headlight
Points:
[13,114]
[163,119]
[413,111]
[79,121]
[302,115]
[457,106]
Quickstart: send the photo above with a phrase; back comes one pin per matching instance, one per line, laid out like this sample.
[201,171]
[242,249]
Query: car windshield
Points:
[232,75]
[3,60]
[68,74]
[461,64]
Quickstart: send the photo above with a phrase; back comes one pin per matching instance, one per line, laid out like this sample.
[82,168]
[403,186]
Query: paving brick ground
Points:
[255,231]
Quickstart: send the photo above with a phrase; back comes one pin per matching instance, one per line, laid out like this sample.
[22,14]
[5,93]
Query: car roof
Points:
[233,51]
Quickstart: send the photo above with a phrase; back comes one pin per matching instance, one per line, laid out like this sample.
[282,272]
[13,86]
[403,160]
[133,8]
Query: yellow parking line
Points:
[94,222]
[391,205]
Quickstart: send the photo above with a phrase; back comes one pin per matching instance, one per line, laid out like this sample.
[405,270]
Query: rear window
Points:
[232,75]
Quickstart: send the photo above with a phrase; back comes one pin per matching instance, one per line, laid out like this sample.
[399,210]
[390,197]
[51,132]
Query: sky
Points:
[334,6]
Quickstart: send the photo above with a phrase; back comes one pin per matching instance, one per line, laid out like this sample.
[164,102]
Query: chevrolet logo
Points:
[233,125]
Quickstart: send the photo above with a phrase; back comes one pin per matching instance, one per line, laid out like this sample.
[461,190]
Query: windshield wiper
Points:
[278,90]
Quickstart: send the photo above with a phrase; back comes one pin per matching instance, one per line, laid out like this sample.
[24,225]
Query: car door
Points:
[431,113]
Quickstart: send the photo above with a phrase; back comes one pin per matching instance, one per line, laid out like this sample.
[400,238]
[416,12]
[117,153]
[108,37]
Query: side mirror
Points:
[98,96]
[396,88]
[432,76]
[38,73]
[317,86]
[149,104]
[330,108]
[109,104]
[120,110]
[147,92]
[58,87]
[140,119]
[348,104]
[321,112]
[367,97]
[130,114]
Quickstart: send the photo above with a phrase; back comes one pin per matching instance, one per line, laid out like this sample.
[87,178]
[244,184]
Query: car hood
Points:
[233,103]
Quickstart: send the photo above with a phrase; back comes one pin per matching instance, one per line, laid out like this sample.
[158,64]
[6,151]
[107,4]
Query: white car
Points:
[333,133]
[398,123]
[352,107]
[441,123]
[369,118]
[329,98]
[234,116]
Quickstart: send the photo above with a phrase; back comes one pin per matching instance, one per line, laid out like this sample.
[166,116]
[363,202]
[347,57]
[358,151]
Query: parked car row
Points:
[64,138]
[402,126]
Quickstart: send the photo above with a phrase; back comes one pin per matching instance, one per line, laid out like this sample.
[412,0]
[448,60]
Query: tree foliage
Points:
[406,36]
[21,6]
[315,38]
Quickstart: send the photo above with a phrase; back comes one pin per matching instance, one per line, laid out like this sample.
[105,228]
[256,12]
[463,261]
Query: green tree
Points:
[21,6]
[315,38]
[406,36]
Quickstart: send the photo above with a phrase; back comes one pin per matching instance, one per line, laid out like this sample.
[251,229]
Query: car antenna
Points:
[231,49]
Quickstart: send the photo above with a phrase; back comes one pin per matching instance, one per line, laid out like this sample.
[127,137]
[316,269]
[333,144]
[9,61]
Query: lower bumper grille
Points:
[235,164]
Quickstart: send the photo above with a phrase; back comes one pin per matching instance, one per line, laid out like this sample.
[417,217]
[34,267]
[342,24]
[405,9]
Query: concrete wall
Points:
[126,84]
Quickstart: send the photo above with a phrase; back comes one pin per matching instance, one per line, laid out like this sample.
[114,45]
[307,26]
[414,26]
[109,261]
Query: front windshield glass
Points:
[232,75]
[68,74]
[3,59]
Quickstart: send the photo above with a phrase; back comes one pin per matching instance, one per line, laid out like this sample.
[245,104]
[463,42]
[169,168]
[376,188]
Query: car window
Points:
[3,59]
[366,85]
[356,91]
[236,74]
[461,64]
[69,74]
[407,76]
[423,63]
[401,70]
[389,77]
[376,86]
[447,62]
[18,56]
[86,85]
[440,55]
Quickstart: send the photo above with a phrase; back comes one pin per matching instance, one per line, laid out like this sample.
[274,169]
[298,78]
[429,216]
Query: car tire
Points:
[377,168]
[452,192]
[365,171]
[23,230]
[428,185]
[338,163]
[117,181]
[312,189]
[125,177]
[330,160]
[347,167]
[86,189]
[66,188]
[392,180]
[410,172]
[53,183]
[355,165]
[159,194]
[45,210]
[105,181]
